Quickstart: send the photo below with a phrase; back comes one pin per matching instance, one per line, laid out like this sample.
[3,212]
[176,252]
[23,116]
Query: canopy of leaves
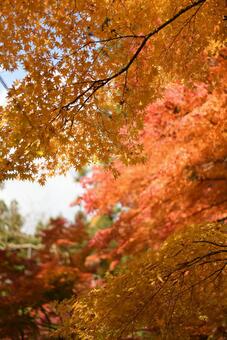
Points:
[179,292]
[124,80]
[184,179]
[91,67]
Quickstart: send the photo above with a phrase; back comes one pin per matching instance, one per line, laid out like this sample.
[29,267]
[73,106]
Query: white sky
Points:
[2,96]
[38,202]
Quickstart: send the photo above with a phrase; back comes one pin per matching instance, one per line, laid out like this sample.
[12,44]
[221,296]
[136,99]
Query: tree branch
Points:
[97,84]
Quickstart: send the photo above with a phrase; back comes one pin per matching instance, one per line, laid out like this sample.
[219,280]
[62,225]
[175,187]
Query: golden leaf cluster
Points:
[91,67]
[178,292]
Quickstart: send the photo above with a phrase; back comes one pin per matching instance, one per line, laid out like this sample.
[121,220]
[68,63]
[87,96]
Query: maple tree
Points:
[30,281]
[184,179]
[92,67]
[139,87]
[178,290]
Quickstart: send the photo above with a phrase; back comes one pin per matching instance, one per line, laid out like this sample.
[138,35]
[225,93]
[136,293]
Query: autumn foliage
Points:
[177,291]
[184,179]
[92,67]
[30,281]
[139,88]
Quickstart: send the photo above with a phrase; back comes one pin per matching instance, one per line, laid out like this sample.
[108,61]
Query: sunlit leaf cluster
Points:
[178,292]
[91,67]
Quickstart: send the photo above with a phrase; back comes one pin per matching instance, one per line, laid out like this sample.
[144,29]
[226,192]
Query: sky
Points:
[38,202]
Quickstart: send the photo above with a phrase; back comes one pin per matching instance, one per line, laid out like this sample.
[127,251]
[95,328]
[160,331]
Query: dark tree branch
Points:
[97,84]
[210,242]
[198,259]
